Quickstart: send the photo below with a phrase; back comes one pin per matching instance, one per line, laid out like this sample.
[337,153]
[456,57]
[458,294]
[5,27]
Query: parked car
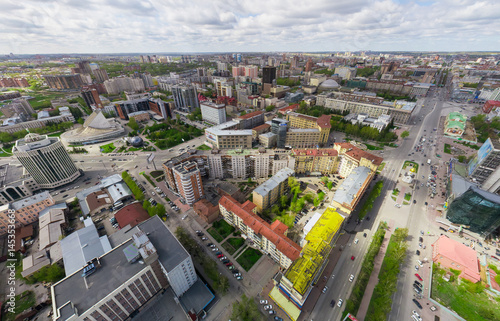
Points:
[203,238]
[215,249]
[418,277]
[271,312]
[222,258]
[325,289]
[352,258]
[356,241]
[277,318]
[351,278]
[339,304]
[210,244]
[229,264]
[263,301]
[219,256]
[268,307]
[417,303]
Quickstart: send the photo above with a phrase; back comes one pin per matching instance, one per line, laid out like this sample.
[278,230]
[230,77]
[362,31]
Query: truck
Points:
[429,161]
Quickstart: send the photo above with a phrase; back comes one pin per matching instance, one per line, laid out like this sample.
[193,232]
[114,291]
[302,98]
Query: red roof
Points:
[315,152]
[288,108]
[357,153]
[494,102]
[261,127]
[205,208]
[459,253]
[252,114]
[273,232]
[324,121]
[132,214]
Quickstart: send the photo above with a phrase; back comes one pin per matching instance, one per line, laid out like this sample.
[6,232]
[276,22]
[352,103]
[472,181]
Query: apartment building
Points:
[63,82]
[318,160]
[118,85]
[24,211]
[251,120]
[268,193]
[188,182]
[352,189]
[302,138]
[352,157]
[223,88]
[229,136]
[213,113]
[322,124]
[270,238]
[185,98]
[91,97]
[147,261]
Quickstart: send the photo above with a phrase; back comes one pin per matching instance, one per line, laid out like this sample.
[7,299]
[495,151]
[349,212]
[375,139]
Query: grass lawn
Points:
[23,302]
[248,258]
[108,148]
[408,163]
[467,299]
[203,147]
[395,192]
[372,147]
[407,196]
[134,149]
[447,148]
[223,228]
[233,244]
[55,134]
[212,231]
[156,174]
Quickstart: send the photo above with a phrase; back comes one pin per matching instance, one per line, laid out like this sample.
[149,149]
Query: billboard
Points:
[151,157]
[482,153]
[210,136]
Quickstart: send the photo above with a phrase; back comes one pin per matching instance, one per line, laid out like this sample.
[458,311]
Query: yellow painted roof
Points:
[304,269]
[282,301]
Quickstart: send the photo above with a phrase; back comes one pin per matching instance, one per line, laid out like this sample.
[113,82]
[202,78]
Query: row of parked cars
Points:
[221,256]
[269,308]
[173,206]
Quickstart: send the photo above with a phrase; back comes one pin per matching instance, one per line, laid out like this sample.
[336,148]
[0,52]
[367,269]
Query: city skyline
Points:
[115,26]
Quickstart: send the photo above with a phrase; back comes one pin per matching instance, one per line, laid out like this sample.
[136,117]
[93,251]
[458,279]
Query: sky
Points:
[155,26]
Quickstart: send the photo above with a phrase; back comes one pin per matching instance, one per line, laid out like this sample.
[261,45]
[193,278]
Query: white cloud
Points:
[107,26]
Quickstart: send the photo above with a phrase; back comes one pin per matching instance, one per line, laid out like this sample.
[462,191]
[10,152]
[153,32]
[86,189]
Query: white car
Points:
[263,301]
[356,241]
[419,318]
[268,307]
[339,304]
[184,217]
[351,278]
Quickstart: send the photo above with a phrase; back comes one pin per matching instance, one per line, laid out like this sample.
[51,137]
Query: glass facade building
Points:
[477,209]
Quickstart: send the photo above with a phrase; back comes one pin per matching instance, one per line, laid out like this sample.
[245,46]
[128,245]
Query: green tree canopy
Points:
[246,310]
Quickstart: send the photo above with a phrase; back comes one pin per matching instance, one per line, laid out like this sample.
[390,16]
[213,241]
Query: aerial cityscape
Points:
[310,162]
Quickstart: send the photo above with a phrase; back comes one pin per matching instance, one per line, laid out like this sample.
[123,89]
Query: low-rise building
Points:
[261,129]
[353,157]
[95,129]
[131,214]
[229,136]
[270,238]
[206,210]
[352,189]
[454,125]
[140,116]
[250,120]
[452,254]
[268,140]
[268,193]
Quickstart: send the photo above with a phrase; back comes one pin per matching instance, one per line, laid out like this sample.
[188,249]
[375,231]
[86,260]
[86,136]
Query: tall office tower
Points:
[309,65]
[46,160]
[268,74]
[188,181]
[279,127]
[91,97]
[185,98]
[101,75]
[294,63]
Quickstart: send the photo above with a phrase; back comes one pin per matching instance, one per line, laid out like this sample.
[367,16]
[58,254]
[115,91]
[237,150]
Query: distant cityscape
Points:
[356,185]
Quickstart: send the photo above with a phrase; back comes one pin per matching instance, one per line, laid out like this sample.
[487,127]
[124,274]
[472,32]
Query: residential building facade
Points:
[268,193]
[213,113]
[188,182]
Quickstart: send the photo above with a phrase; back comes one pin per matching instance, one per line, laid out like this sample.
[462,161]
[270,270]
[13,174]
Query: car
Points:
[203,238]
[418,277]
[277,318]
[416,315]
[414,201]
[397,205]
[416,267]
[352,258]
[222,258]
[231,267]
[219,256]
[417,252]
[236,271]
[421,239]
[425,202]
[268,307]
[229,264]
[418,283]
[239,278]
[339,304]
[417,289]
[153,193]
[210,244]
[364,234]
[215,249]
[184,217]
[332,303]
[351,278]
[271,312]
[417,303]
[263,302]
[356,241]
[324,289]
[218,253]
[64,196]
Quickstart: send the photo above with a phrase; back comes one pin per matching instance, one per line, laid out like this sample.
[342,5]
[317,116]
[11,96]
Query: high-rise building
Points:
[213,113]
[188,182]
[46,160]
[147,79]
[20,107]
[279,127]
[62,82]
[84,66]
[91,97]
[185,98]
[309,65]
[117,85]
[101,75]
[268,74]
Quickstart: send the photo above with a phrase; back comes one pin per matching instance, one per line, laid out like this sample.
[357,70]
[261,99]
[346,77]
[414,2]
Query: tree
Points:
[243,113]
[405,134]
[222,284]
[329,185]
[270,108]
[283,201]
[133,124]
[246,310]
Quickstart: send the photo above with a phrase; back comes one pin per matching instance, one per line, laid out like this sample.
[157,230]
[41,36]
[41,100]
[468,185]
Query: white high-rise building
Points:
[213,113]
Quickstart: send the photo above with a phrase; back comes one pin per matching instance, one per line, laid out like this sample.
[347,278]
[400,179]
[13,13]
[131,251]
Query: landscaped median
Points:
[354,301]
[381,302]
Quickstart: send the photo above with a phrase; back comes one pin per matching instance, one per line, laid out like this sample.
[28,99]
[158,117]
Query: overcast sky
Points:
[121,26]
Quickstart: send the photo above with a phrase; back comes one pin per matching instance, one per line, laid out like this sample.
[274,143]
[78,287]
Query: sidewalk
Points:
[365,302]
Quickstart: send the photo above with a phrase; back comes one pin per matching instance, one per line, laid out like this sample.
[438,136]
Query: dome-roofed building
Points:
[328,84]
[136,141]
[96,129]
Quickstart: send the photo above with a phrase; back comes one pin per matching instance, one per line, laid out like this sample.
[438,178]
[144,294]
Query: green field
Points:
[213,232]
[223,228]
[203,147]
[470,301]
[248,258]
[233,244]
[408,163]
[108,148]
[24,301]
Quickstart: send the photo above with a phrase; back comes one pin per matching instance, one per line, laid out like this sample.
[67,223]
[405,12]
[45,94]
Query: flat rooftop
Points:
[350,187]
[274,181]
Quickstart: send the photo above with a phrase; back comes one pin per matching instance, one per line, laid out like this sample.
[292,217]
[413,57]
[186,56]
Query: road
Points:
[425,118]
